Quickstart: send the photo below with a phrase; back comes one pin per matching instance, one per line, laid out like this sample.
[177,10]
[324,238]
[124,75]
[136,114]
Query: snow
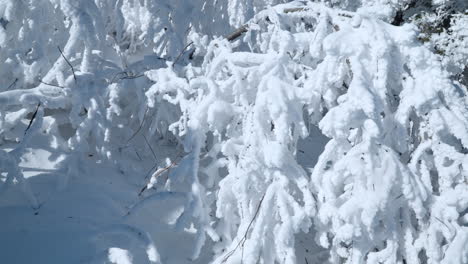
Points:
[119,256]
[133,132]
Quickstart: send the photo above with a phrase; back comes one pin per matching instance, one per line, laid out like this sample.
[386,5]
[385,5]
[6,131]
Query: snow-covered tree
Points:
[235,88]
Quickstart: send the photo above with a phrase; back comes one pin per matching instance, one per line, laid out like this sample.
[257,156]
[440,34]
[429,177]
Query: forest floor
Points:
[99,216]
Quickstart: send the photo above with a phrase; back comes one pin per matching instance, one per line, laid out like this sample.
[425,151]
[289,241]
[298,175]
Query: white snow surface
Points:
[135,131]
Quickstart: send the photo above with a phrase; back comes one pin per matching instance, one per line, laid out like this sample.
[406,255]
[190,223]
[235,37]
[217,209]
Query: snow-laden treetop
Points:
[107,77]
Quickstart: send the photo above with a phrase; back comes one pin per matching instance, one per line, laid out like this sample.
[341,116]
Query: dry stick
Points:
[69,64]
[32,118]
[244,238]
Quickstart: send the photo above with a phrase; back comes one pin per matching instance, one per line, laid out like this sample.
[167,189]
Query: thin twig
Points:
[150,170]
[32,118]
[125,77]
[151,148]
[132,77]
[244,238]
[183,51]
[138,155]
[140,127]
[442,222]
[12,84]
[115,76]
[69,64]
[51,84]
[142,190]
